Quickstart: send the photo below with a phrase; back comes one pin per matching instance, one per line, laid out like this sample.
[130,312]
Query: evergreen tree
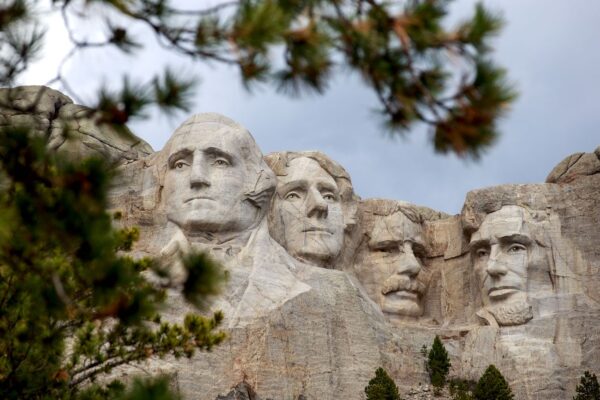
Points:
[438,363]
[492,386]
[382,387]
[73,305]
[588,388]
[420,68]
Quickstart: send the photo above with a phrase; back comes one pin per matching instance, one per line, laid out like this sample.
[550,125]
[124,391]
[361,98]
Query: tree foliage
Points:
[382,387]
[461,389]
[492,386]
[588,388]
[438,363]
[73,305]
[420,69]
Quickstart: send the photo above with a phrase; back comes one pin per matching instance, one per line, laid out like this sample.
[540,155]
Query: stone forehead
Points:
[509,220]
[218,130]
[393,228]
[302,168]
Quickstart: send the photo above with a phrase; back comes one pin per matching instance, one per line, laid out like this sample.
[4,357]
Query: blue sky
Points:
[550,49]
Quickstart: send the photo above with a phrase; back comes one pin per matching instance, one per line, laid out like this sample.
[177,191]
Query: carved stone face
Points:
[205,180]
[307,212]
[500,250]
[392,271]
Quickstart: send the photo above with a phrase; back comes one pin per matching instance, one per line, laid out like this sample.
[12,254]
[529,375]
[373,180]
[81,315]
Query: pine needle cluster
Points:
[73,305]
[421,70]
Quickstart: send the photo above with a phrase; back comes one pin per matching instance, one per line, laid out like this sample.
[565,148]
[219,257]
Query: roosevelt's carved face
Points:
[307,212]
[500,250]
[205,180]
[392,271]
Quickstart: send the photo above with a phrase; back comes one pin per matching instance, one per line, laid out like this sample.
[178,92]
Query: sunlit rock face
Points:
[324,288]
[70,129]
[314,206]
[390,264]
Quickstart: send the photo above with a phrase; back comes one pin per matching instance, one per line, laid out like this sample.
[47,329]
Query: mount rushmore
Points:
[324,287]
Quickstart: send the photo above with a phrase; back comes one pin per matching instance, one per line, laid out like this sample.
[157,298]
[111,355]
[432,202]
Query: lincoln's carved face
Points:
[392,271]
[501,250]
[206,178]
[307,212]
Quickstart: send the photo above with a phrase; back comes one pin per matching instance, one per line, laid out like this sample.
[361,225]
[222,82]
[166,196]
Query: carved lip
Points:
[502,291]
[404,294]
[317,229]
[198,198]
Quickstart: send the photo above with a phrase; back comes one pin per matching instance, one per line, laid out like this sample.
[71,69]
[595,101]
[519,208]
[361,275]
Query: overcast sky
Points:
[552,52]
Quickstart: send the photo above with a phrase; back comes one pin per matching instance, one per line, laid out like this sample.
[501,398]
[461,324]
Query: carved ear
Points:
[350,215]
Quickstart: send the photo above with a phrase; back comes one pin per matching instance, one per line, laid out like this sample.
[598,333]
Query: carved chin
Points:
[513,313]
[399,306]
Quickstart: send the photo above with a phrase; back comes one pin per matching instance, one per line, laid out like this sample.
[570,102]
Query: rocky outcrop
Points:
[325,287]
[575,165]
[69,128]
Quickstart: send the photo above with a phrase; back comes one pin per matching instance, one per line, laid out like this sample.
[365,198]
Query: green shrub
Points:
[438,364]
[382,387]
[492,386]
[588,388]
[461,389]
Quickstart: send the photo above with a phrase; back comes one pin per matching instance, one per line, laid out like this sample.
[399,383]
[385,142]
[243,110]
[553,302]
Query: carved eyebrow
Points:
[516,238]
[383,243]
[476,244]
[178,155]
[328,186]
[299,184]
[216,152]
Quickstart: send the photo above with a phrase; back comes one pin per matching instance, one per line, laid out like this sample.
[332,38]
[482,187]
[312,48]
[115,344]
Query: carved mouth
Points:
[198,198]
[403,294]
[502,291]
[317,229]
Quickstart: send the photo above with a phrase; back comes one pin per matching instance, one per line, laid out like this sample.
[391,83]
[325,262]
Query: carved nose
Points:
[495,267]
[316,206]
[408,264]
[199,175]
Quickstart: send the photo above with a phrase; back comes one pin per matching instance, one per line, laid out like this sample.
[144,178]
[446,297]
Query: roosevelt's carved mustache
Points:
[402,282]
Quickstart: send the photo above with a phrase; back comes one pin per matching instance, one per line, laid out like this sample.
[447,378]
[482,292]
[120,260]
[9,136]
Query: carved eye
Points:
[329,197]
[292,196]
[481,253]
[221,162]
[180,164]
[418,251]
[516,248]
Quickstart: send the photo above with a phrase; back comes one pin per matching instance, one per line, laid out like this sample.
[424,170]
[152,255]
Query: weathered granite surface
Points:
[69,128]
[325,287]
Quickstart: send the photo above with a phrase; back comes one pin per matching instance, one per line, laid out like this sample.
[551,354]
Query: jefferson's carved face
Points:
[205,180]
[307,212]
[500,251]
[392,271]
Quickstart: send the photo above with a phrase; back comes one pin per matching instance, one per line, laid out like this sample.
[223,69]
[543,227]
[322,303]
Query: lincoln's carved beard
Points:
[515,313]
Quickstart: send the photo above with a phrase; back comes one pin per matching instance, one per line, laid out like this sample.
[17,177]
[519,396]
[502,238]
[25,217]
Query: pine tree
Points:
[382,387]
[438,363]
[588,388]
[73,305]
[492,386]
[401,49]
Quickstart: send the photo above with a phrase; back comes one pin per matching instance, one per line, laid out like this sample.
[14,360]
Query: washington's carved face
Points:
[500,251]
[205,181]
[307,211]
[392,271]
